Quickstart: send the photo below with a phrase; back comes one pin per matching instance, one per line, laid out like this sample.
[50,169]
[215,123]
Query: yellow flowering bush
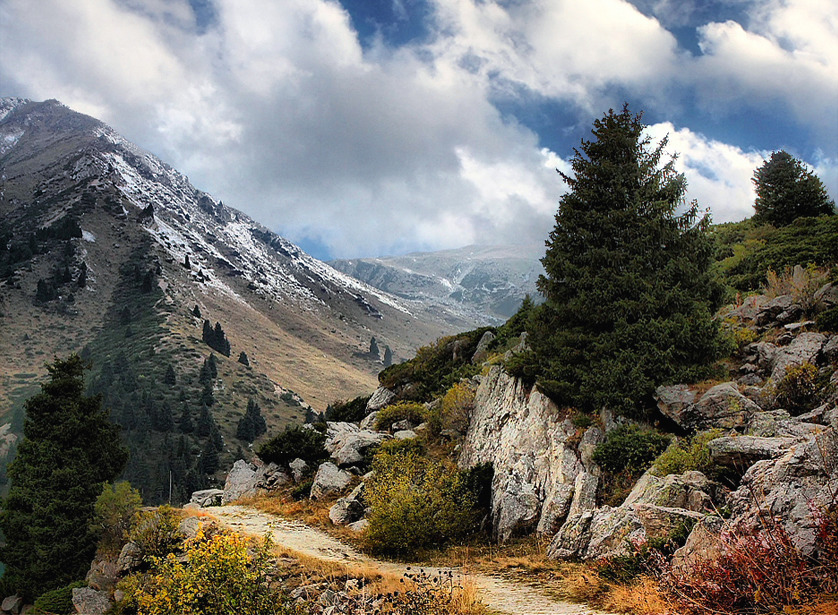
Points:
[221,574]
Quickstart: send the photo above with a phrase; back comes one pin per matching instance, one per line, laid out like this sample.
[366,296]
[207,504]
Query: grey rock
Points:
[691,491]
[336,432]
[584,493]
[88,601]
[830,349]
[722,406]
[741,452]
[482,347]
[674,399]
[826,296]
[130,558]
[804,349]
[764,353]
[12,604]
[702,545]
[207,497]
[369,421]
[359,526]
[248,480]
[380,399]
[103,574]
[350,508]
[350,447]
[769,312]
[794,327]
[329,480]
[778,424]
[299,469]
[402,425]
[521,433]
[404,434]
[791,488]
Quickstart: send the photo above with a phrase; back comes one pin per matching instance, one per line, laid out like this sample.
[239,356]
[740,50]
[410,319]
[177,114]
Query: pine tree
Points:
[243,358]
[374,351]
[186,425]
[787,190]
[629,295]
[170,378]
[196,311]
[69,449]
[388,356]
[252,424]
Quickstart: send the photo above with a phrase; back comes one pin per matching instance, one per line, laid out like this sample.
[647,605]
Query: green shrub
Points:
[685,455]
[58,601]
[157,531]
[629,448]
[797,392]
[404,410]
[435,368]
[828,320]
[409,446]
[113,512]
[295,442]
[416,503]
[625,568]
[352,411]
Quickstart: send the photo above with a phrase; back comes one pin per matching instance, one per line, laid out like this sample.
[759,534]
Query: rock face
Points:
[538,474]
[805,348]
[380,399]
[207,497]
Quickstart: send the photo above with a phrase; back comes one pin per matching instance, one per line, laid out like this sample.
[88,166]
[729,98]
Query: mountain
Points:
[487,283]
[107,251]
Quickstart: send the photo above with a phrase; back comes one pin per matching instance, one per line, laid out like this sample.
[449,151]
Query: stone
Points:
[12,604]
[830,349]
[723,406]
[336,431]
[768,313]
[794,327]
[299,469]
[380,399]
[674,399]
[804,349]
[369,421]
[691,491]
[524,436]
[207,497]
[88,601]
[779,424]
[350,508]
[329,480]
[482,349]
[359,526]
[826,296]
[350,447]
[404,434]
[741,452]
[103,574]
[791,488]
[251,479]
[130,558]
[702,545]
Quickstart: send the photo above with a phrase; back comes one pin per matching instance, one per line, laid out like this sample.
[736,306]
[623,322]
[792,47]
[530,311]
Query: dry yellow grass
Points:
[640,598]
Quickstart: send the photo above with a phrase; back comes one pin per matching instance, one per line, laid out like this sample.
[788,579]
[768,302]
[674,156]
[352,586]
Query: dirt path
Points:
[496,593]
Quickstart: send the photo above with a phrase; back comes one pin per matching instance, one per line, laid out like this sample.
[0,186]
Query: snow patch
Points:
[88,236]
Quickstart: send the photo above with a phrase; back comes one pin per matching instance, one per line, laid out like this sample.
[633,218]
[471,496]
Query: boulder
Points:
[783,307]
[804,349]
[830,349]
[741,452]
[604,532]
[826,296]
[350,508]
[722,406]
[791,488]
[89,601]
[369,421]
[12,604]
[359,526]
[335,434]
[329,480]
[299,469]
[350,447]
[380,399]
[103,574]
[674,399]
[779,424]
[404,434]
[207,497]
[702,545]
[248,480]
[529,443]
[130,558]
[690,491]
[402,425]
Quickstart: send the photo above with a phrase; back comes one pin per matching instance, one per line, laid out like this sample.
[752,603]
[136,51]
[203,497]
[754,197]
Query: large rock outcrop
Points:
[539,475]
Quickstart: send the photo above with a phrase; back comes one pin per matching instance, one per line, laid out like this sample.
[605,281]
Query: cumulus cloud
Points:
[277,108]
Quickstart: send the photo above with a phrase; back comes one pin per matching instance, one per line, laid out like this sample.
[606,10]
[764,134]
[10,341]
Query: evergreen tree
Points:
[69,449]
[196,311]
[186,425]
[629,295]
[388,356]
[252,424]
[82,279]
[787,190]
[170,378]
[165,418]
[374,351]
[204,424]
[243,358]
[208,464]
[207,334]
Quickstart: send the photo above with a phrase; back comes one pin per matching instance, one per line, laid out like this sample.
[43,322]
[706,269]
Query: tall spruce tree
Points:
[629,297]
[69,449]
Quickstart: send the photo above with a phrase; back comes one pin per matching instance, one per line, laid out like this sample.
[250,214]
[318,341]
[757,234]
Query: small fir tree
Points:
[787,190]
[243,359]
[374,351]
[388,356]
[69,449]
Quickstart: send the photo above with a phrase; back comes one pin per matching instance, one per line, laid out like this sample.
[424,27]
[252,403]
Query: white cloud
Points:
[718,175]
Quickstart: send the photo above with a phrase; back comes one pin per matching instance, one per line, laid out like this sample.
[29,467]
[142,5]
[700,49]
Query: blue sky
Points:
[372,127]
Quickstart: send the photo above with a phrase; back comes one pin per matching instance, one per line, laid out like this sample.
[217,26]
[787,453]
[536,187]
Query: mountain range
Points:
[107,251]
